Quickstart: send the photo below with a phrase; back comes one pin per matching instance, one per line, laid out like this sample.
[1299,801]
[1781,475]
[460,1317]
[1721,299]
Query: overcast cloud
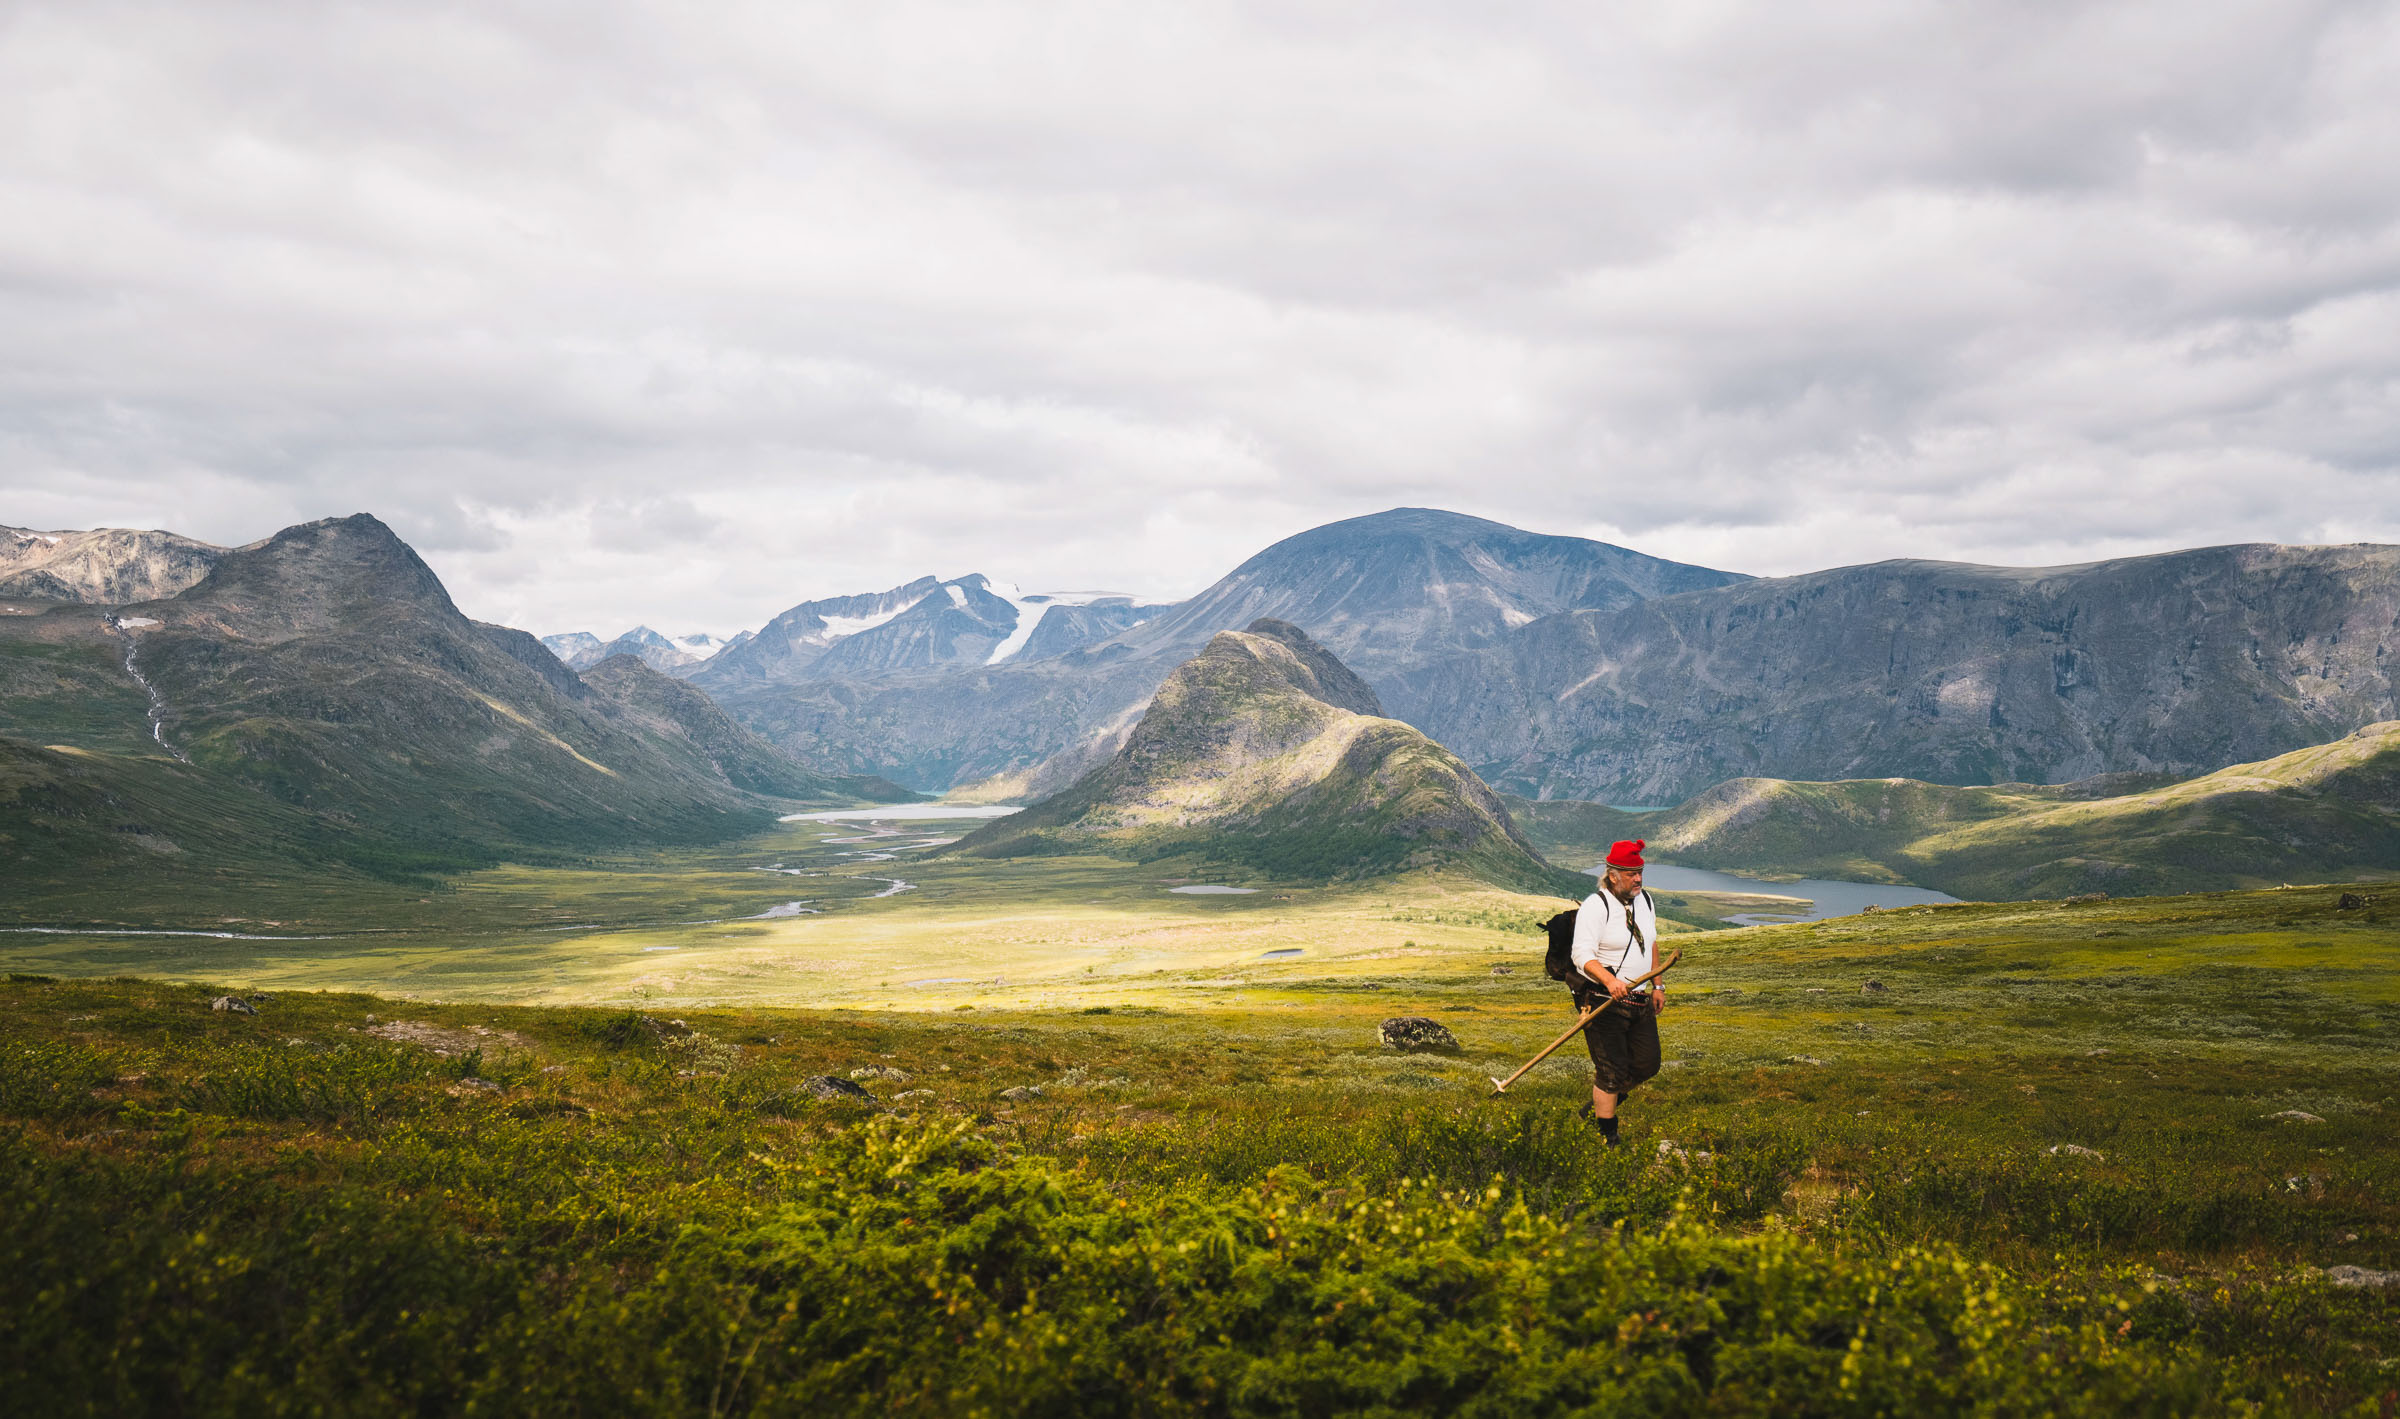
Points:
[682,314]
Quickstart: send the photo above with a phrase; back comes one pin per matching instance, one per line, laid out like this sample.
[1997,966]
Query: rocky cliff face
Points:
[2180,663]
[1384,592]
[109,566]
[1265,750]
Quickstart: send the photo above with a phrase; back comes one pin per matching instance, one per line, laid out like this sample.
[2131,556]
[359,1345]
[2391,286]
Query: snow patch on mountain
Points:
[838,627]
[1029,609]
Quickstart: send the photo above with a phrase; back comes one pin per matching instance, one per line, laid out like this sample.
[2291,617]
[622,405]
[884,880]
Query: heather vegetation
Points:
[2113,1157]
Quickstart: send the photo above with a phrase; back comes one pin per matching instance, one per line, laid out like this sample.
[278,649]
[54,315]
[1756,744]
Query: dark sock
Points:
[1608,1127]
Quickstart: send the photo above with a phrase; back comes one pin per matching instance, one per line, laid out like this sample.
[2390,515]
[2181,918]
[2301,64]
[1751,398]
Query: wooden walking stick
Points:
[1500,1086]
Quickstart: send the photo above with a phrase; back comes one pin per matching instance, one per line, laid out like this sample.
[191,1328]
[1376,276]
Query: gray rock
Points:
[2077,1150]
[1022,1092]
[234,1004]
[1417,1035]
[1873,987]
[2361,1277]
[827,1086]
[880,1071]
[471,1082]
[2293,1116]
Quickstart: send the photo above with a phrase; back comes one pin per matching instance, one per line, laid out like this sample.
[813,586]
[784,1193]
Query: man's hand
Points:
[1608,981]
[1658,999]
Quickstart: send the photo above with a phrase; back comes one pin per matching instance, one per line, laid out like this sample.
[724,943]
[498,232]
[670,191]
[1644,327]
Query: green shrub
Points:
[51,1079]
[346,1084]
[898,1268]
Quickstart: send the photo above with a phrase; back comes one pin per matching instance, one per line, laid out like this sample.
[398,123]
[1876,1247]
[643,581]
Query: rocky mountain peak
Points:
[1316,672]
[335,573]
[1266,750]
[1399,587]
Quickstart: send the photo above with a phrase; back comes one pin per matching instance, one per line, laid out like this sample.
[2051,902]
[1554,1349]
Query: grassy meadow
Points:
[545,1142]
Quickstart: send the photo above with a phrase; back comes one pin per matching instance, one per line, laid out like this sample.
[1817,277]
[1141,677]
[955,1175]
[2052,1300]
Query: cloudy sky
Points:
[681,314]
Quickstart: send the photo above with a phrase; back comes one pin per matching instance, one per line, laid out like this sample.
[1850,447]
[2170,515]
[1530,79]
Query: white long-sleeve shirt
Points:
[1602,933]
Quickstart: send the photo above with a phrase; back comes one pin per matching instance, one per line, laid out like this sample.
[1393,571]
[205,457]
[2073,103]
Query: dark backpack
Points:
[1559,964]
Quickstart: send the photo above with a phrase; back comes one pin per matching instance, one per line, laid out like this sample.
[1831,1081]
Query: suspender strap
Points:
[1633,926]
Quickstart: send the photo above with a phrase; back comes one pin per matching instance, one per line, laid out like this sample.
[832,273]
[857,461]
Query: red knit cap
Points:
[1627,854]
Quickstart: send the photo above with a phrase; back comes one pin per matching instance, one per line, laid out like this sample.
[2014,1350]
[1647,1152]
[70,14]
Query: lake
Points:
[897,812]
[1824,899]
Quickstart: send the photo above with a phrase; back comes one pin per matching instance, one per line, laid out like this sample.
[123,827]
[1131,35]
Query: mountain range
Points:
[926,705]
[1554,667]
[679,656]
[1264,750]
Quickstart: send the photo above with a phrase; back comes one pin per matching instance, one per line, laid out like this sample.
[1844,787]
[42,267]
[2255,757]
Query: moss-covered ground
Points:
[2092,1157]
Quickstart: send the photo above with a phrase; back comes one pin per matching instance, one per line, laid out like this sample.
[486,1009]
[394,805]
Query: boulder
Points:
[880,1071]
[1417,1035]
[233,1003]
[2293,1116]
[826,1086]
[1873,987]
[1022,1092]
[2362,1277]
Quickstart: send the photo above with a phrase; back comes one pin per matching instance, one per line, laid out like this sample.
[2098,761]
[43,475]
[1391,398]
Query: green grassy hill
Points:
[1266,752]
[2327,813]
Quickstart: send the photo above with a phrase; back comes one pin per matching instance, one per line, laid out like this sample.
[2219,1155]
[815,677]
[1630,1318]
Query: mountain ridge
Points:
[2179,662]
[2325,812]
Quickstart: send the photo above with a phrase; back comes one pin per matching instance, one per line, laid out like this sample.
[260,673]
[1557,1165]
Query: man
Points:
[1614,931]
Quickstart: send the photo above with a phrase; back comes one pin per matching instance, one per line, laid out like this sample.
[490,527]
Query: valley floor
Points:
[2112,1156]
